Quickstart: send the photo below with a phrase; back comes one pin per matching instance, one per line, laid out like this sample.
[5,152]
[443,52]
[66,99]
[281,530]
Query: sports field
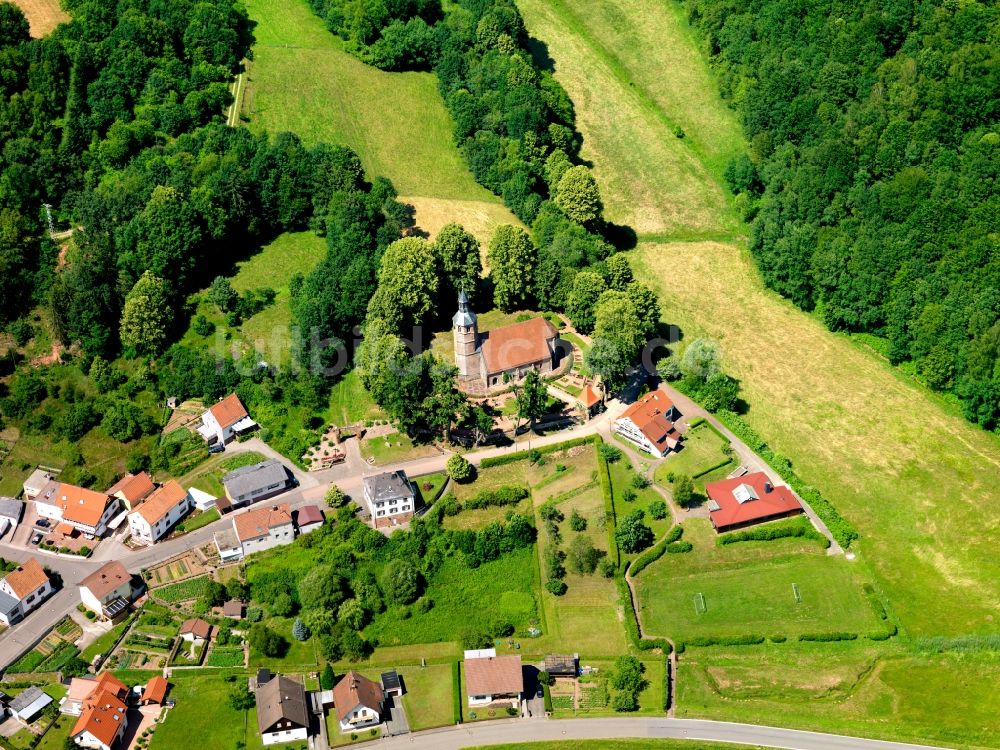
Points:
[784,587]
[905,469]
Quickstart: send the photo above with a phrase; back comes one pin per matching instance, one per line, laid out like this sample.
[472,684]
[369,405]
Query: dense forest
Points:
[873,178]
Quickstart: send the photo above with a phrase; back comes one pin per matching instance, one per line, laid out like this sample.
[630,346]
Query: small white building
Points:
[263,528]
[154,518]
[359,702]
[228,545]
[22,590]
[225,420]
[282,711]
[195,631]
[10,513]
[35,483]
[201,499]
[492,679]
[251,484]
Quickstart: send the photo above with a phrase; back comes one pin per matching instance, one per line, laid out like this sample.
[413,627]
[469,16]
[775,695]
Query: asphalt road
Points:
[497,732]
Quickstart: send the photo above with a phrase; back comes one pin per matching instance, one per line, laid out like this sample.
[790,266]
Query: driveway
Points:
[502,732]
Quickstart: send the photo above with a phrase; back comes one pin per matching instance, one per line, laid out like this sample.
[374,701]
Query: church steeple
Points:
[466,338]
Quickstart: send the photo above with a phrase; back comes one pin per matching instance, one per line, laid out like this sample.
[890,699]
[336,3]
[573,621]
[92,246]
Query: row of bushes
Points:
[632,622]
[456,691]
[842,531]
[771,532]
[828,637]
[671,543]
[510,458]
[604,479]
[508,495]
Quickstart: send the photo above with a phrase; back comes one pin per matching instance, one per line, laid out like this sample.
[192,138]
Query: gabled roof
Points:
[518,345]
[78,504]
[82,689]
[233,608]
[355,690]
[155,690]
[389,485]
[649,415]
[29,697]
[494,675]
[161,502]
[133,487]
[11,508]
[746,499]
[103,716]
[246,479]
[197,628]
[26,578]
[107,578]
[308,514]
[281,698]
[228,411]
[257,523]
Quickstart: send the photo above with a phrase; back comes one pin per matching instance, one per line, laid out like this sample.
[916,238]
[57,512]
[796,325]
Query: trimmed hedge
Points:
[828,637]
[771,532]
[456,691]
[679,547]
[509,495]
[510,458]
[724,462]
[547,698]
[750,639]
[842,531]
[667,679]
[604,477]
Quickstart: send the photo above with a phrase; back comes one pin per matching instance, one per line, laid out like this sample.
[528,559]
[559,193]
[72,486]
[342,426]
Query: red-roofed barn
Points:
[746,500]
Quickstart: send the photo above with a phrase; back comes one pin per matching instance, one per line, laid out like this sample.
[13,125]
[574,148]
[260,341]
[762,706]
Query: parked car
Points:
[43,523]
[36,538]
[216,448]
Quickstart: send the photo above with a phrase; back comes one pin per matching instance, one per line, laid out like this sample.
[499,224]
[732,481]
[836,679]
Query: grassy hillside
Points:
[302,80]
[911,475]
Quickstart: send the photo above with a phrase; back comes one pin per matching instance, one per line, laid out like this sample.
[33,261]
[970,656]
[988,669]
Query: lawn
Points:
[703,451]
[208,478]
[299,653]
[394,448]
[622,481]
[302,80]
[848,688]
[198,519]
[202,716]
[428,700]
[464,598]
[747,588]
[350,402]
[104,642]
[621,64]
[430,485]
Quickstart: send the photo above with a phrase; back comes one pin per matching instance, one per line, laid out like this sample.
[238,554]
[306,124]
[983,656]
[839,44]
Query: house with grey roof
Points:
[250,484]
[390,498]
[27,705]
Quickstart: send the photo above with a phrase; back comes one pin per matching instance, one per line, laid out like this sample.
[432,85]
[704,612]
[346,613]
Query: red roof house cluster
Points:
[649,423]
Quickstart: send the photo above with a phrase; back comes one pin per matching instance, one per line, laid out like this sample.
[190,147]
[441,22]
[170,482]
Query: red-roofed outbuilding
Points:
[746,500]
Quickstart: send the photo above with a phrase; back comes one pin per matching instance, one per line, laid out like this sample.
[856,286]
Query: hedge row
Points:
[770,532]
[750,639]
[510,458]
[647,558]
[508,495]
[456,691]
[604,477]
[667,680]
[723,462]
[679,547]
[827,637]
[842,531]
[547,698]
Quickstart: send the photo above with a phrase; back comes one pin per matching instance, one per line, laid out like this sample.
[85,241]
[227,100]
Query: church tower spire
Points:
[466,338]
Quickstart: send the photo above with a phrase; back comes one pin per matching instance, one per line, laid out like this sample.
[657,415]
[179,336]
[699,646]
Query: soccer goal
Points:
[699,603]
[796,593]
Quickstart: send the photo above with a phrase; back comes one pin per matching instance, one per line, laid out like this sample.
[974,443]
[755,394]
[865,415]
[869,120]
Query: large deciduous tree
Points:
[512,257]
[578,195]
[461,263]
[588,286]
[408,282]
[146,316]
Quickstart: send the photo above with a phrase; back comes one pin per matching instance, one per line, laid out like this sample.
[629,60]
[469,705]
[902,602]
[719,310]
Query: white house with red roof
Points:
[103,719]
[225,420]
[151,521]
[22,590]
[649,424]
[750,499]
[86,511]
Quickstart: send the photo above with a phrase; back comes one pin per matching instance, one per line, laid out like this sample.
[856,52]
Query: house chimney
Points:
[767,487]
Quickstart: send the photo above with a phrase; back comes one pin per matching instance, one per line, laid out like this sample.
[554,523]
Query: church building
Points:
[505,354]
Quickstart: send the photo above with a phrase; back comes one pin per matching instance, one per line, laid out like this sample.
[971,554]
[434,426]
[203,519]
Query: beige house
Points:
[108,590]
[155,517]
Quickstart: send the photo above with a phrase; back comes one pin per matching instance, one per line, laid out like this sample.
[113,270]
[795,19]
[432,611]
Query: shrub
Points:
[610,453]
[750,639]
[555,586]
[640,482]
[299,630]
[683,489]
[770,532]
[777,638]
[679,547]
[606,568]
[577,522]
[510,495]
[629,496]
[657,510]
[827,637]
[334,497]
[459,469]
[254,614]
